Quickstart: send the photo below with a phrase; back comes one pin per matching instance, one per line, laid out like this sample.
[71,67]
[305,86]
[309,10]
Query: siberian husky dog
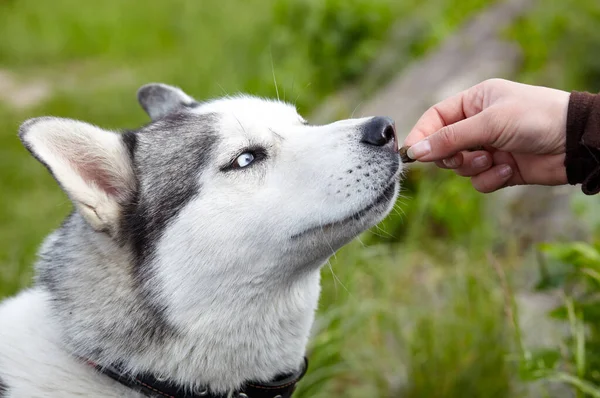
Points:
[190,264]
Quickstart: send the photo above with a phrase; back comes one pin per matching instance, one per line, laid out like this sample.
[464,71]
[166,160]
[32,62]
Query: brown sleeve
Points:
[582,160]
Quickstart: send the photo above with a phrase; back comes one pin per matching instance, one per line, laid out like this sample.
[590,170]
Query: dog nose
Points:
[379,131]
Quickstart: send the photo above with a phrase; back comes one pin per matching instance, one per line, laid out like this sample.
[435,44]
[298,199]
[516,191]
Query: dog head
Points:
[241,178]
[220,202]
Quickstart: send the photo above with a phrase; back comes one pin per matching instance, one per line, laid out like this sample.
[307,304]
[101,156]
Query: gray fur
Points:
[159,100]
[3,389]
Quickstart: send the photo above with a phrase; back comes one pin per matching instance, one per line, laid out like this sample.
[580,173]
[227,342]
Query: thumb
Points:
[463,135]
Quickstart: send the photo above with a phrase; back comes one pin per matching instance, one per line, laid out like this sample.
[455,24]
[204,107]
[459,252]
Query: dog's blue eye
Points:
[244,159]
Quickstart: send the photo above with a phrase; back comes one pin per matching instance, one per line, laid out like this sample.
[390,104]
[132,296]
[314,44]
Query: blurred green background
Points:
[422,306]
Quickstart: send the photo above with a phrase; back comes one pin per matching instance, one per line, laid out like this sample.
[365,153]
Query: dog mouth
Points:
[385,197]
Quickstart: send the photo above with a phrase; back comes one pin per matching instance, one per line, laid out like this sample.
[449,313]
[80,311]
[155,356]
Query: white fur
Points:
[33,359]
[240,291]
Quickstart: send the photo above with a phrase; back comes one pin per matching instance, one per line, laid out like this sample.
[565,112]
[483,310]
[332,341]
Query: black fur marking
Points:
[130,141]
[168,158]
[3,389]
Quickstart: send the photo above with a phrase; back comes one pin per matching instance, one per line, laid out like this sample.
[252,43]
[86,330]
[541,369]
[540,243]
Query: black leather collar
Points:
[150,386]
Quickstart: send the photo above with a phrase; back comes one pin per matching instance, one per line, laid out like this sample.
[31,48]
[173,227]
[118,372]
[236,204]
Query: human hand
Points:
[521,128]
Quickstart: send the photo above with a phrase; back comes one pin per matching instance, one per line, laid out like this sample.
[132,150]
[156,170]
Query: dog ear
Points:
[158,100]
[92,165]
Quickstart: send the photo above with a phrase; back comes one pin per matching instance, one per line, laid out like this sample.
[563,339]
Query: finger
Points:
[475,163]
[493,179]
[453,162]
[465,104]
[449,140]
[440,115]
[501,157]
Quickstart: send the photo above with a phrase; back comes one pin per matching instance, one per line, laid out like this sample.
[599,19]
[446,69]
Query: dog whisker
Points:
[222,89]
[361,241]
[273,71]
[337,280]
[357,106]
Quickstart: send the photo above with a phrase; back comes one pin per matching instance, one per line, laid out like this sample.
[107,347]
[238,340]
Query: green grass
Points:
[416,308]
[560,42]
[416,315]
[383,336]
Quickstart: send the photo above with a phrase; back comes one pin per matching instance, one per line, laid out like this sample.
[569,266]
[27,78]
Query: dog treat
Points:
[404,155]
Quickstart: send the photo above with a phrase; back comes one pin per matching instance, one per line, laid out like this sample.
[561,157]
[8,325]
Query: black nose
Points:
[378,131]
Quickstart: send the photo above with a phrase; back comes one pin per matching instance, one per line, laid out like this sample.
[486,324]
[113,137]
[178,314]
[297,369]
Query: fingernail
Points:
[418,150]
[505,171]
[450,162]
[480,162]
